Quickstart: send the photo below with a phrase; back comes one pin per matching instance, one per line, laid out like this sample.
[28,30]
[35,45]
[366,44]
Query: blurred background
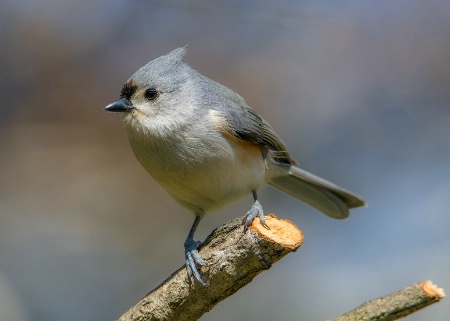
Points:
[359,91]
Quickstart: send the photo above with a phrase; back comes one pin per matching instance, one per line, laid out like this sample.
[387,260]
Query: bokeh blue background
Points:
[359,91]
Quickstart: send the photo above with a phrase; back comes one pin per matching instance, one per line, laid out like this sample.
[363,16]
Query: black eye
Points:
[151,94]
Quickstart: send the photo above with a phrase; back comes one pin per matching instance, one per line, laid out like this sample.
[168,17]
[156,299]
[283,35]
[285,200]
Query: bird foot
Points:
[193,259]
[255,210]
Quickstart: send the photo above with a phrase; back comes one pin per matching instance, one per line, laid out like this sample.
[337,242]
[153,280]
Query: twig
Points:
[233,259]
[395,305]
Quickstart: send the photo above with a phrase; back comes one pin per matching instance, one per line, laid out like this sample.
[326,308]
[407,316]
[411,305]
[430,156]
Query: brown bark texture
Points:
[395,305]
[233,259]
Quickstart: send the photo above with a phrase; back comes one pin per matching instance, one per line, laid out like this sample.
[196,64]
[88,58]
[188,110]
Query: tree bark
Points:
[395,305]
[233,259]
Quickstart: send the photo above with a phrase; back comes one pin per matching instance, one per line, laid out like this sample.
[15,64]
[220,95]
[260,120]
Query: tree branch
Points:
[233,259]
[395,305]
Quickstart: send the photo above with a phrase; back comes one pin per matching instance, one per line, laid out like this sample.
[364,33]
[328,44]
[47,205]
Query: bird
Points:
[207,148]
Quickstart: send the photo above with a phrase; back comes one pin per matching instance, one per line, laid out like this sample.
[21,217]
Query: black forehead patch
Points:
[128,90]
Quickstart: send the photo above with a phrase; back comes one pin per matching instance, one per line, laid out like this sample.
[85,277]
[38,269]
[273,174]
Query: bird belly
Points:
[216,185]
[206,176]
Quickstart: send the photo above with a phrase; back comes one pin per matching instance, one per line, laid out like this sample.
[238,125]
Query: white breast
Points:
[202,172]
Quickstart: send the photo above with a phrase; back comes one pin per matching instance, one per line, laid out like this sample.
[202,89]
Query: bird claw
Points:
[193,259]
[254,211]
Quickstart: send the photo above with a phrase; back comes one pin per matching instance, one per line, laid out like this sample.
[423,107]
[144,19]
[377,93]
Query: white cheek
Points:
[149,122]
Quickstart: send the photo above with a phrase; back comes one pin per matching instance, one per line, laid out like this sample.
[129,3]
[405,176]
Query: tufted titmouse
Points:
[203,144]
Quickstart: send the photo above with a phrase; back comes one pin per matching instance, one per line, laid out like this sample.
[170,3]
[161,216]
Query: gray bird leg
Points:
[255,210]
[191,254]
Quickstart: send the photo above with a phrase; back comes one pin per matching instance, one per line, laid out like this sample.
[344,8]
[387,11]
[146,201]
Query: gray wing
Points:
[248,126]
[325,196]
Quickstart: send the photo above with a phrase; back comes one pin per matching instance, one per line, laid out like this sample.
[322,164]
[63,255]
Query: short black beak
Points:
[122,105]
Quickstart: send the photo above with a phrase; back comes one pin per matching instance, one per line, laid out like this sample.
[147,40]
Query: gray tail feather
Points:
[328,198]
